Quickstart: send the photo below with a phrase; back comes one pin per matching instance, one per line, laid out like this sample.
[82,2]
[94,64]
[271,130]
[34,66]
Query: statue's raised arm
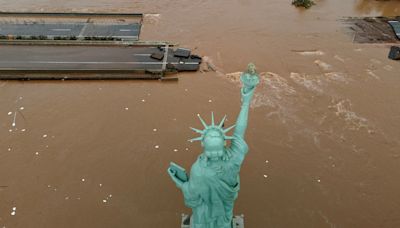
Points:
[250,80]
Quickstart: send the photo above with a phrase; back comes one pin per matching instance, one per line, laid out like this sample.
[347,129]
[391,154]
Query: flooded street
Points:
[323,130]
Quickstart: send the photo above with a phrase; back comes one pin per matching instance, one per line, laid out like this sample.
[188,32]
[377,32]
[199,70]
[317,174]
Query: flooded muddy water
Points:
[323,130]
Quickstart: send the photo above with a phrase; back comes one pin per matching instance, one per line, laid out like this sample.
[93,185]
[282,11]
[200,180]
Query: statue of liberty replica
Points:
[213,184]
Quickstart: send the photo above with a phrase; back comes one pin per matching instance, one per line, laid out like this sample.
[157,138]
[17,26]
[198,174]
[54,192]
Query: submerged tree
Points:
[304,3]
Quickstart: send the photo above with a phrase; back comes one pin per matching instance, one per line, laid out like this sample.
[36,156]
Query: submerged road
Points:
[123,31]
[25,59]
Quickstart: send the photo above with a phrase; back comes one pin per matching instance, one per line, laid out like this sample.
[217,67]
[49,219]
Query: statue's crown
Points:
[214,127]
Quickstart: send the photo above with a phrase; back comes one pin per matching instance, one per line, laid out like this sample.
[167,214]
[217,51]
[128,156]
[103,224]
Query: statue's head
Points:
[251,68]
[213,138]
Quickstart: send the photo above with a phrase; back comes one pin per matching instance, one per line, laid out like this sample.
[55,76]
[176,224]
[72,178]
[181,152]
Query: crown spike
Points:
[229,137]
[202,121]
[196,139]
[197,130]
[222,122]
[229,128]
[212,119]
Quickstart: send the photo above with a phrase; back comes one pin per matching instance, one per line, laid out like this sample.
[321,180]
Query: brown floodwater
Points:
[323,130]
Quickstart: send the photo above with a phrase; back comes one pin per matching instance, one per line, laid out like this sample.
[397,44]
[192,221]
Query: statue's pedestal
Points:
[237,222]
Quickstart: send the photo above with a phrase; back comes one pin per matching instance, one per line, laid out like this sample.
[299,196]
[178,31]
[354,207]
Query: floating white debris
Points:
[186,90]
[156,146]
[100,185]
[143,100]
[66,198]
[23,130]
[110,195]
[49,186]
[9,130]
[318,180]
[22,108]
[9,149]
[13,213]
[265,176]
[186,148]
[175,150]
[155,129]
[14,208]
[44,136]
[20,98]
[126,108]
[266,161]
[37,153]
[104,201]
[9,113]
[83,179]
[209,101]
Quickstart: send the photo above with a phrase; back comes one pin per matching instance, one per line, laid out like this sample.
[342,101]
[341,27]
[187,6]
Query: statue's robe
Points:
[212,190]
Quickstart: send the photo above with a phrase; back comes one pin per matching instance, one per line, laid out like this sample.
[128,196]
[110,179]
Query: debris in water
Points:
[126,108]
[9,113]
[209,101]
[83,179]
[21,108]
[266,161]
[143,100]
[323,65]
[100,185]
[37,153]
[13,213]
[303,3]
[394,53]
[15,115]
[9,149]
[23,129]
[44,136]
[156,146]
[319,181]
[104,201]
[265,176]
[175,150]
[155,129]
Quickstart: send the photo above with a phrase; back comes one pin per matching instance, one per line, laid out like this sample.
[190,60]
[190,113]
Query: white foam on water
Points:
[337,76]
[372,74]
[353,121]
[309,82]
[151,18]
[311,53]
[339,58]
[388,67]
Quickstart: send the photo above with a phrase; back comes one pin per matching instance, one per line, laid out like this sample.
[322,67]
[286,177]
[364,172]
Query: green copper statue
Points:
[213,185]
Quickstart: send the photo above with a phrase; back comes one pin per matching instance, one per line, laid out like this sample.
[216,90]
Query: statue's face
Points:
[251,68]
[214,144]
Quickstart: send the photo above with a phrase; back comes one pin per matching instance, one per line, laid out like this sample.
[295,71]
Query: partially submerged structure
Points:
[69,26]
[374,29]
[84,46]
